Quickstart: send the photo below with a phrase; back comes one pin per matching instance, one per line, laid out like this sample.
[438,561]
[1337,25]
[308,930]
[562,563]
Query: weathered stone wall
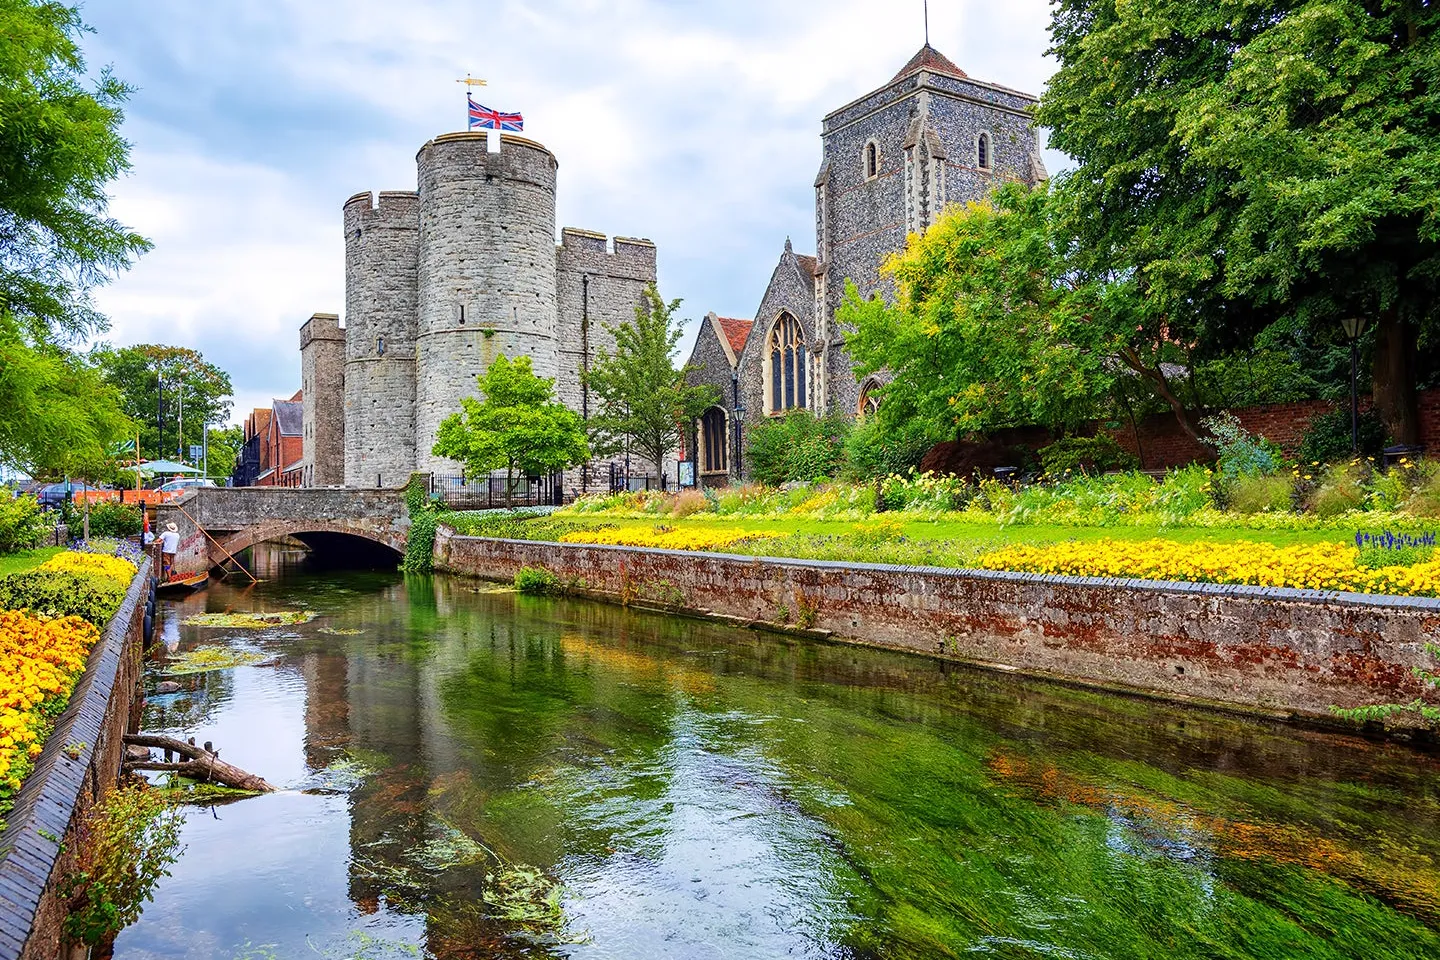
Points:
[79,764]
[322,383]
[237,517]
[1288,651]
[382,244]
[791,290]
[487,271]
[614,281]
[710,365]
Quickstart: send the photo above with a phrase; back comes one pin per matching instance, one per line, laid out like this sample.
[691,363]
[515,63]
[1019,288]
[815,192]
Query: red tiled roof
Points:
[930,59]
[735,331]
[808,264]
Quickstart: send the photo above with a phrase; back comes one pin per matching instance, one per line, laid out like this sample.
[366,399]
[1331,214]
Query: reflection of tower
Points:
[327,706]
[486,270]
[381,251]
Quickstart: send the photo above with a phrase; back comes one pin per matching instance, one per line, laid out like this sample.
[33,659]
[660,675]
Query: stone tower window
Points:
[380,346]
[785,358]
[982,151]
[872,160]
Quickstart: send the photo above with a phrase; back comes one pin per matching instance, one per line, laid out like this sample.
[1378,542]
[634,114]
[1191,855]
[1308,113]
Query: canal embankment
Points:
[1285,652]
[79,764]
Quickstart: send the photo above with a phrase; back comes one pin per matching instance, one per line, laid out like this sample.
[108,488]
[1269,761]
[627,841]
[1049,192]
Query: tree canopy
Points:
[193,387]
[517,426]
[1252,162]
[59,147]
[643,397]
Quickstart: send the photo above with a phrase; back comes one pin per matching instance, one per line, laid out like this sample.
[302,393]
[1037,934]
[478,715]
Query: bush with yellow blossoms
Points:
[1324,566]
[74,561]
[40,662]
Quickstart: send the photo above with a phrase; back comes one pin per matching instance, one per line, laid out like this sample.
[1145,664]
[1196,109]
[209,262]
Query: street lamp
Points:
[1354,327]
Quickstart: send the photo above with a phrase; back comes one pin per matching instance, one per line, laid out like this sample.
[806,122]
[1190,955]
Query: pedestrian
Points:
[169,546]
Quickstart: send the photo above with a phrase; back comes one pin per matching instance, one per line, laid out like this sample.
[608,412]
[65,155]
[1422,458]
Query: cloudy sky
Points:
[693,124]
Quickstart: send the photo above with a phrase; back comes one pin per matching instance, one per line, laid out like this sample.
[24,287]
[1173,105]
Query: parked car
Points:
[54,494]
[171,486]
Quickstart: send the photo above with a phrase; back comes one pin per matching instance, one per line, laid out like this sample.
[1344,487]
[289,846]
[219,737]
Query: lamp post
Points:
[739,409]
[1354,327]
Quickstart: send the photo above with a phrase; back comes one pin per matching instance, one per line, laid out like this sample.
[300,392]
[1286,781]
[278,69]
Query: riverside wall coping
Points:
[1275,650]
[61,788]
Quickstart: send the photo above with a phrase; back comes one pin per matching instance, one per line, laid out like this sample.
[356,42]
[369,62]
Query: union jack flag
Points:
[487,119]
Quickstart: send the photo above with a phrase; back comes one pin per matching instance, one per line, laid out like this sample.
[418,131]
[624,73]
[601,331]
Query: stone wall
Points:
[80,763]
[486,271]
[382,246]
[322,386]
[1284,651]
[791,290]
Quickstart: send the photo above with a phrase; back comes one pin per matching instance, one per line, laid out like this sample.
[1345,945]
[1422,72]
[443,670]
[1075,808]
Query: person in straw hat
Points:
[169,546]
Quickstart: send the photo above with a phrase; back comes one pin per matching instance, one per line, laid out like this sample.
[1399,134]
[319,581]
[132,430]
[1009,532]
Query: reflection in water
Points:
[479,774]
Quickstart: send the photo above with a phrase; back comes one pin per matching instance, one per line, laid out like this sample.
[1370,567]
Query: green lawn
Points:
[23,560]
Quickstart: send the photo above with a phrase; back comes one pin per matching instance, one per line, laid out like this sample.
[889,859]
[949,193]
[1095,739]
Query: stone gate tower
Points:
[441,280]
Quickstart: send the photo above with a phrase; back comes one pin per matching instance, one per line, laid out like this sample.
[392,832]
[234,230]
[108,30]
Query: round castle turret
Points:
[486,271]
[382,245]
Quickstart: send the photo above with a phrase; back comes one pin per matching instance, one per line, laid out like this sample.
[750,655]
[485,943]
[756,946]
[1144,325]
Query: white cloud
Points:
[696,125]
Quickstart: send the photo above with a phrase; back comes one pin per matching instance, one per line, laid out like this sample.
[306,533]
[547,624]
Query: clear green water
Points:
[479,774]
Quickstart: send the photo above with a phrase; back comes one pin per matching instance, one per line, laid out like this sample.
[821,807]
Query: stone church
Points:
[892,160]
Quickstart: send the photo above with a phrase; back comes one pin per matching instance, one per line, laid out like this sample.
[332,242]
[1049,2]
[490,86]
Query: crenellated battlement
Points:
[396,209]
[585,251]
[321,326]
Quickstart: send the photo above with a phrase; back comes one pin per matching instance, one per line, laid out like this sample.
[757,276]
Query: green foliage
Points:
[1240,161]
[518,426]
[54,594]
[1095,454]
[225,444]
[797,447]
[22,524]
[1248,378]
[1241,453]
[1328,436]
[875,449]
[111,518]
[1340,491]
[126,844]
[643,399]
[192,385]
[420,541]
[1261,493]
[1428,714]
[535,580]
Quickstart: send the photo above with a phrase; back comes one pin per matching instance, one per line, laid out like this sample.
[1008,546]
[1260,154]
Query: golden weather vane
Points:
[470,81]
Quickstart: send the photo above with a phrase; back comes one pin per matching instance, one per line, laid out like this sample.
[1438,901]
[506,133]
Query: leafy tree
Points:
[196,393]
[1243,163]
[225,444]
[60,146]
[517,426]
[643,397]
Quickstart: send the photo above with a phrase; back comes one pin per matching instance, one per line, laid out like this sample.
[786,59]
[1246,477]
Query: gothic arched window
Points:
[869,399]
[982,151]
[786,356]
[872,160]
[712,441]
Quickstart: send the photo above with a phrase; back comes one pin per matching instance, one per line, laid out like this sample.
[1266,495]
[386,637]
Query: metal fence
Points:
[460,492]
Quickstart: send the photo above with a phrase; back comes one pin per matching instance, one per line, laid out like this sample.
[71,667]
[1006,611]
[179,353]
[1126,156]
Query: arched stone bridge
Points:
[239,517]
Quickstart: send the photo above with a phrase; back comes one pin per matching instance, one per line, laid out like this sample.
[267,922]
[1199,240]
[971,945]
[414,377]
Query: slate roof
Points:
[289,417]
[932,60]
[808,264]
[736,331]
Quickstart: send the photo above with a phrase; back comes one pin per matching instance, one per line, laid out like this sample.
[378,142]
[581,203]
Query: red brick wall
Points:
[1161,443]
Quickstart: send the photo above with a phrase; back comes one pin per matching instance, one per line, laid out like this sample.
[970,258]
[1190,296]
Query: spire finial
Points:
[927,23]
[788,248]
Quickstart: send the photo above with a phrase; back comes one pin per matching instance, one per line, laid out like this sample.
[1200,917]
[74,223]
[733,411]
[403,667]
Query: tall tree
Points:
[517,426]
[196,393]
[644,399]
[225,444]
[59,147]
[1257,160]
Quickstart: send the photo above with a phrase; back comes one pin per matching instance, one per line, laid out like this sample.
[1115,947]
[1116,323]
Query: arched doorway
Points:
[714,442]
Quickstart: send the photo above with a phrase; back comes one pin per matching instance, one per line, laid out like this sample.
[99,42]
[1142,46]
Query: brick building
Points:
[892,161]
[272,453]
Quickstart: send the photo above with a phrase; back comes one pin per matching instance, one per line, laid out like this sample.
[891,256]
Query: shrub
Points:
[874,451]
[1340,491]
[1241,453]
[1424,477]
[111,518]
[1328,436]
[799,446]
[127,843]
[49,594]
[22,525]
[1260,494]
[688,502]
[1095,454]
[534,580]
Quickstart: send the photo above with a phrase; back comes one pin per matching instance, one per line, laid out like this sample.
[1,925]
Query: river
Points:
[472,773]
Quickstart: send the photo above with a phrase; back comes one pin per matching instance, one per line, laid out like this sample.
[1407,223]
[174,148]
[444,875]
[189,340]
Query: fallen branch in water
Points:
[200,763]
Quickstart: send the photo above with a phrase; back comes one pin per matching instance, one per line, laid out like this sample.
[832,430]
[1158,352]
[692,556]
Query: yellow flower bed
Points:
[40,660]
[666,538]
[1326,566]
[72,561]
